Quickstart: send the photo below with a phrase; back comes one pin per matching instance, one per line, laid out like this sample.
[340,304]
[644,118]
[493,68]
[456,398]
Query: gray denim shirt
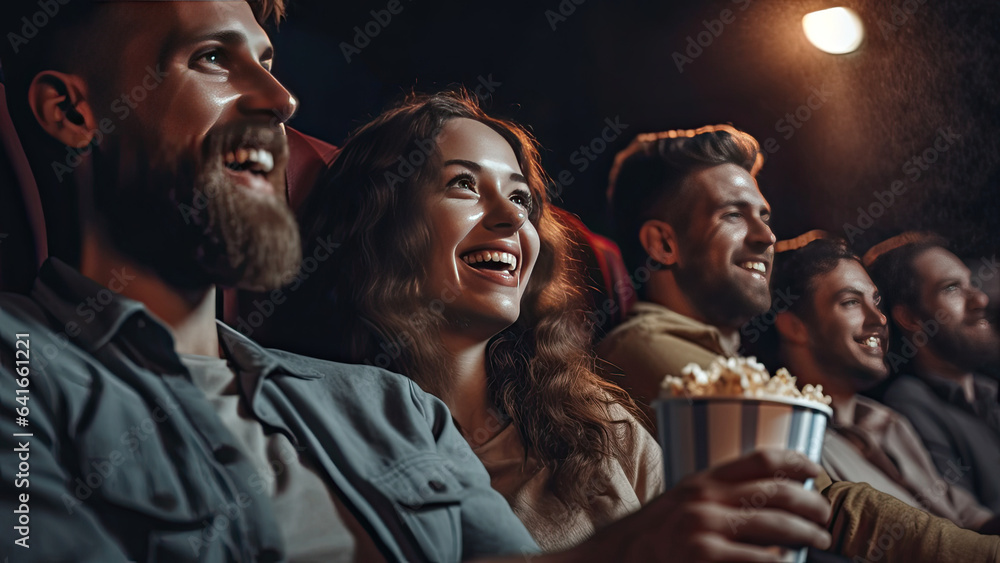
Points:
[128,461]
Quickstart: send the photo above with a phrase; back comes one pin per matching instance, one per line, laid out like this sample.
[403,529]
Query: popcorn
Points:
[739,377]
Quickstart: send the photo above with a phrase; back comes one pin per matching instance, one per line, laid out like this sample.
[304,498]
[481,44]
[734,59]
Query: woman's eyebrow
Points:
[466,163]
[475,167]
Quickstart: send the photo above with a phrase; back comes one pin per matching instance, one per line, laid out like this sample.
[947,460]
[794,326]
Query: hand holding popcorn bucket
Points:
[710,417]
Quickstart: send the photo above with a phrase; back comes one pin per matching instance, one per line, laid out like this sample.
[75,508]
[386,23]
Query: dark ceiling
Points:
[914,109]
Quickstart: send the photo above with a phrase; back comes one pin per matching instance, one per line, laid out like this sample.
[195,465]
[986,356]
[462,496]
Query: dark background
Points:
[924,67]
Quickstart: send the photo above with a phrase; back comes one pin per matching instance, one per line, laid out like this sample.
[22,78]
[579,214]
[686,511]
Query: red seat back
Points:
[23,244]
[609,289]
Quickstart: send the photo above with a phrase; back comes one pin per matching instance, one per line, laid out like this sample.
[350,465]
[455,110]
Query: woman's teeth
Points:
[491,256]
[758,266]
[255,160]
[873,342]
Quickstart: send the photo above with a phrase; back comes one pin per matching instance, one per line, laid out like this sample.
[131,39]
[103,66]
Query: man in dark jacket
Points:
[943,339]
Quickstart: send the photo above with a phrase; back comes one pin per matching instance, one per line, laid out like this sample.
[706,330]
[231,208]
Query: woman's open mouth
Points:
[495,265]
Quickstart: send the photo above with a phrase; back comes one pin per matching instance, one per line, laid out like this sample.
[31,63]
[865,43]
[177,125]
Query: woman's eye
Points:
[463,182]
[522,198]
[213,57]
[850,302]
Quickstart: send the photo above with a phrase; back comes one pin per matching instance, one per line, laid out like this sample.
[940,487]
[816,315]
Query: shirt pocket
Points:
[427,497]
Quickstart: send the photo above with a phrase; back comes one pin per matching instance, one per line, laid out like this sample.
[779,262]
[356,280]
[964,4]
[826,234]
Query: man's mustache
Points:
[230,138]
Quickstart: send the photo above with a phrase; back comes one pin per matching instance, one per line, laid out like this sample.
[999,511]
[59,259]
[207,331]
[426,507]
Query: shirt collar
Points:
[986,388]
[948,389]
[92,315]
[251,359]
[87,312]
[705,335]
[951,391]
[871,416]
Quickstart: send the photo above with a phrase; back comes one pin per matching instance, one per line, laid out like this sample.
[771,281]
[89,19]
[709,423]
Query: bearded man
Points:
[943,338]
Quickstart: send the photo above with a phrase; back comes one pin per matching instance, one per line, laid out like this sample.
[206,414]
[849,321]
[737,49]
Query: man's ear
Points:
[660,241]
[59,103]
[791,327]
[904,316]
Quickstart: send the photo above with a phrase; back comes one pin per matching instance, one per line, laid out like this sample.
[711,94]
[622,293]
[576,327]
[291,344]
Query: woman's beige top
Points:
[631,483]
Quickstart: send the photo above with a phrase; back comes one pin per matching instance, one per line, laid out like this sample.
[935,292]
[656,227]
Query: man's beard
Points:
[969,354]
[722,301]
[189,222]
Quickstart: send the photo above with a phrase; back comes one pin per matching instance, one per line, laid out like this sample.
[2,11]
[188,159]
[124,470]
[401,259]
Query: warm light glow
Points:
[836,30]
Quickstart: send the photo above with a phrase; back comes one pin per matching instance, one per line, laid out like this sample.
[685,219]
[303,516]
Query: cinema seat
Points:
[608,288]
[23,244]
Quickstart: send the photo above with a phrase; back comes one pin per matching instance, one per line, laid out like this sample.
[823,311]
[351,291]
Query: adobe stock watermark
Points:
[940,488]
[263,309]
[32,24]
[750,507]
[103,469]
[587,153]
[412,160]
[913,169]
[792,121]
[782,301]
[884,543]
[419,321]
[563,11]
[123,106]
[880,547]
[987,270]
[628,288]
[260,482]
[485,87]
[364,34]
[908,346]
[900,14]
[696,44]
[87,310]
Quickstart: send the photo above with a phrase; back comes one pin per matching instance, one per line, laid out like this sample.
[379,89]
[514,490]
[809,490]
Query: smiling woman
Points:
[452,269]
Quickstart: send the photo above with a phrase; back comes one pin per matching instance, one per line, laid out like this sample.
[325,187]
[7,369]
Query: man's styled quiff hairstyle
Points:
[647,175]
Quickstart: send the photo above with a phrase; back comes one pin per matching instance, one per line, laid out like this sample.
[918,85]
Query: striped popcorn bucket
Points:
[701,432]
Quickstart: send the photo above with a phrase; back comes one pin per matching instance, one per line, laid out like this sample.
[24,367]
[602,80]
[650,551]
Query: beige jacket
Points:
[652,343]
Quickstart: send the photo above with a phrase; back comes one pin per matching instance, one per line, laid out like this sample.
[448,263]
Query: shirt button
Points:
[436,486]
[226,454]
[141,323]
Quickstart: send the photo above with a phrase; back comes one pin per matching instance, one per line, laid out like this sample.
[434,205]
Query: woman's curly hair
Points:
[366,304]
